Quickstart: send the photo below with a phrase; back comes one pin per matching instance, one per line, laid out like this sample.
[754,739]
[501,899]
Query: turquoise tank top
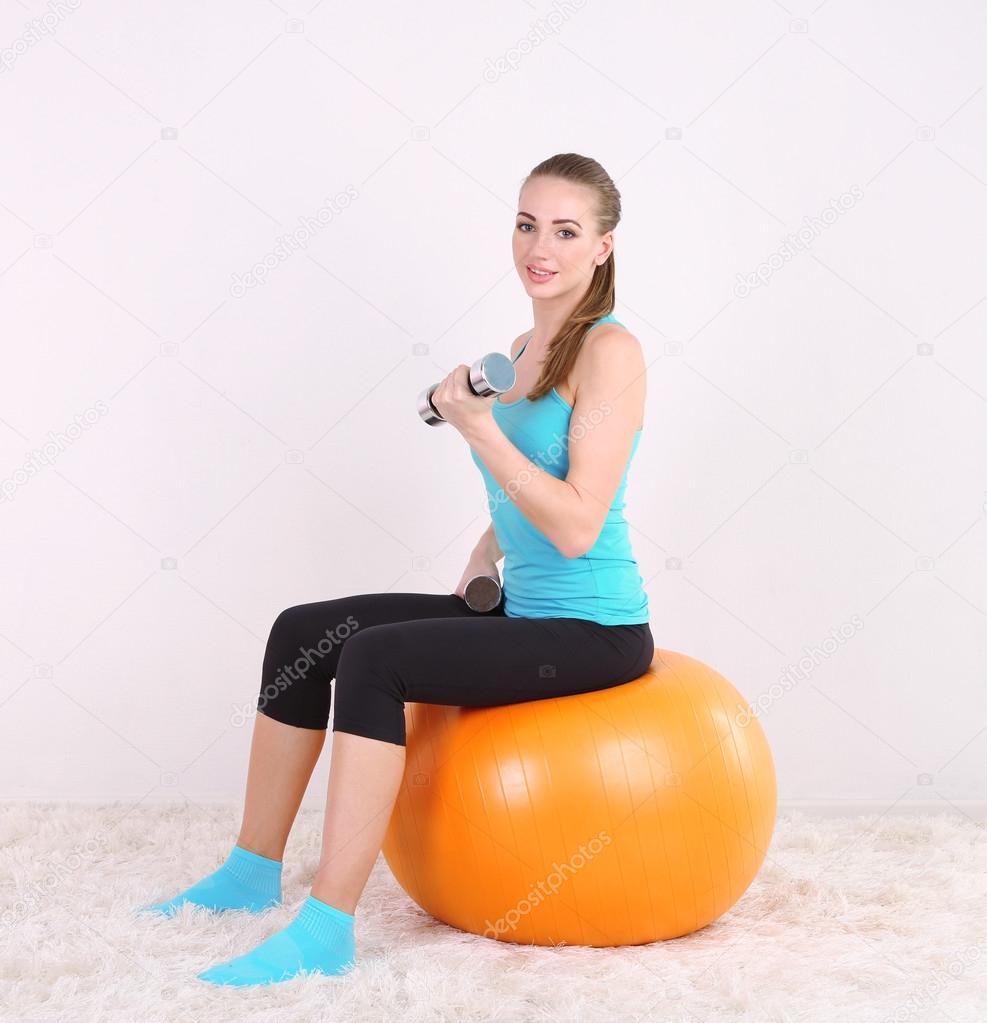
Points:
[604,584]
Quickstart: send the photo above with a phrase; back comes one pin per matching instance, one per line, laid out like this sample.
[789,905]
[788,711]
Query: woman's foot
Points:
[318,940]
[245,881]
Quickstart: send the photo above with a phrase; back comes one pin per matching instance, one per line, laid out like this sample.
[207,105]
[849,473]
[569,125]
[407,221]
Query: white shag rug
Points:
[861,918]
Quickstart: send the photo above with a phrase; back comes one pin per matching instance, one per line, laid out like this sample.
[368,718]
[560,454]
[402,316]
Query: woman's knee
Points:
[305,635]
[299,663]
[367,679]
[371,651]
[332,617]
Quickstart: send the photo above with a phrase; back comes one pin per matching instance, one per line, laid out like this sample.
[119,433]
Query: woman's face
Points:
[571,250]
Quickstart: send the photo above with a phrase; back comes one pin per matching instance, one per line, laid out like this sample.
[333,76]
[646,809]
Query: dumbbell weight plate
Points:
[493,374]
[482,593]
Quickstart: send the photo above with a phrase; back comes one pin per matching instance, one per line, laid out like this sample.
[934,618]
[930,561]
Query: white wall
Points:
[813,457]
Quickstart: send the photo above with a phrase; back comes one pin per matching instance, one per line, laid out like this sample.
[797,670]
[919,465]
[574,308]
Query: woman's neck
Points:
[549,320]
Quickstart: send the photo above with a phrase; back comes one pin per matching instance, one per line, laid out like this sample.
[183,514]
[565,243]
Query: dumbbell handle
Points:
[482,593]
[491,374]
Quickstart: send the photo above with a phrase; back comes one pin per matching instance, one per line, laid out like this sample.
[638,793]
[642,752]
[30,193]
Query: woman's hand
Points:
[458,405]
[478,564]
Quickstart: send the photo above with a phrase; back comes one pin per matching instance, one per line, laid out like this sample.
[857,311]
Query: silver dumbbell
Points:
[482,593]
[491,374]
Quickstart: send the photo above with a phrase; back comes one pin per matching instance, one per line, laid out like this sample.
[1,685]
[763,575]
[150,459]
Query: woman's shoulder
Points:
[609,337]
[608,328]
[610,341]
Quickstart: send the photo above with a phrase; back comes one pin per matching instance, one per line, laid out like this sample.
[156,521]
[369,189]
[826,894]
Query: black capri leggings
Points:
[385,648]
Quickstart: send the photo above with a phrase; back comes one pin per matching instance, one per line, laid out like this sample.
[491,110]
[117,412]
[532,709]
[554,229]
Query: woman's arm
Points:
[487,545]
[571,511]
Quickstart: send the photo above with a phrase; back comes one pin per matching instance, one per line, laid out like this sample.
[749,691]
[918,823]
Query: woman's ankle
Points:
[269,850]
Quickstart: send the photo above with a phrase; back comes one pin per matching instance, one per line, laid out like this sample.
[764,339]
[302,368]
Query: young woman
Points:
[554,454]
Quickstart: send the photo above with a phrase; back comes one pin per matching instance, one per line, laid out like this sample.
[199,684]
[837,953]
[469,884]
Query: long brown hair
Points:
[600,297]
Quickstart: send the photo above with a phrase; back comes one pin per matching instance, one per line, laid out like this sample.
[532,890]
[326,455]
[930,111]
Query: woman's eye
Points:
[565,229]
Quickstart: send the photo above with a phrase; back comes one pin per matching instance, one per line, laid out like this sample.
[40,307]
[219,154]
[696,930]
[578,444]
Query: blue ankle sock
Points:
[318,940]
[245,881]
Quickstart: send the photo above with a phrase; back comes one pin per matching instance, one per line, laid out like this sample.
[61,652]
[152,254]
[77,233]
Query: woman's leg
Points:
[301,658]
[364,779]
[479,662]
[282,759]
[302,653]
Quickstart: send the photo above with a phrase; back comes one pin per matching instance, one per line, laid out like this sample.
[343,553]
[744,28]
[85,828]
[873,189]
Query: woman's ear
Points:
[607,248]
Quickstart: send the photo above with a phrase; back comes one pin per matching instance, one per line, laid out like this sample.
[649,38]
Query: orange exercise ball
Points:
[617,817]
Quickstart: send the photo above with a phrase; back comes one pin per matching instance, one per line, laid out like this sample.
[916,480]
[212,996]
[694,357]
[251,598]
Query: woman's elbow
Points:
[573,546]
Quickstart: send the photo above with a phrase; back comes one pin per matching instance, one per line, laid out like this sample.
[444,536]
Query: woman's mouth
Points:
[538,277]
